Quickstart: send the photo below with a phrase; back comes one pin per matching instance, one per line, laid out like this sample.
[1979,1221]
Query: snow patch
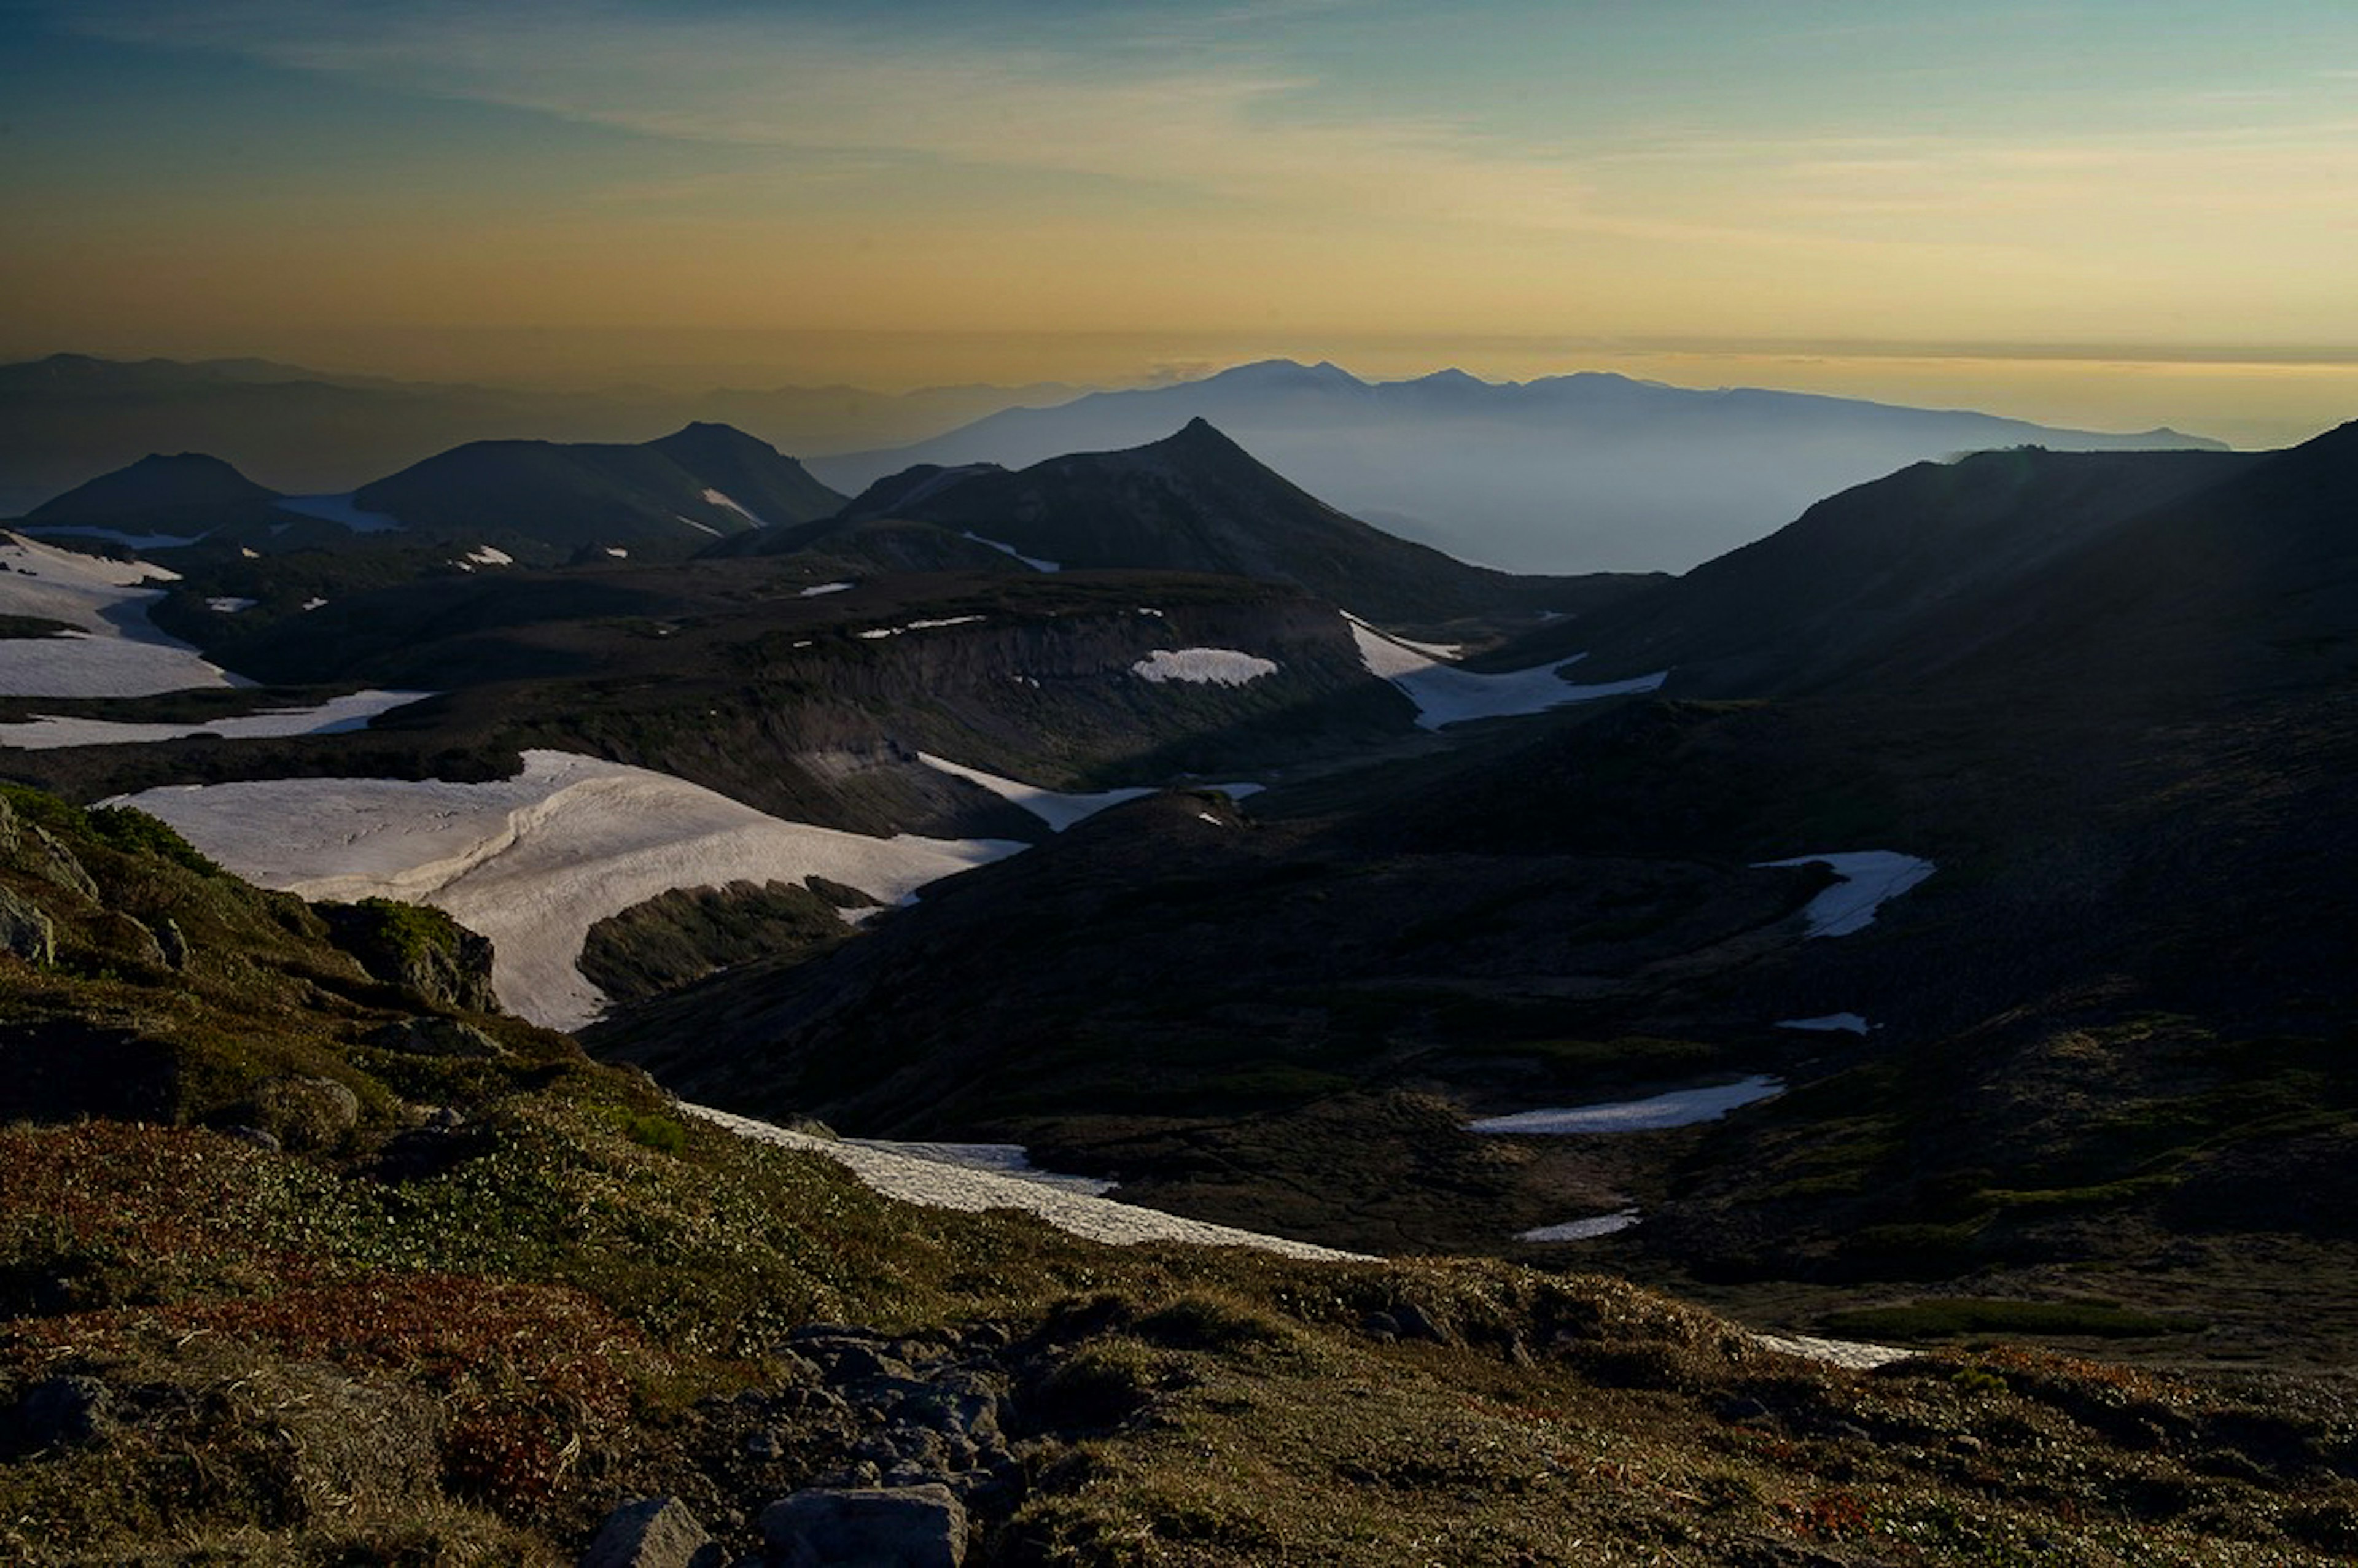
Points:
[877,632]
[490,555]
[699,527]
[533,862]
[1828,1024]
[1034,562]
[1587,1229]
[226,606]
[715,498]
[1870,879]
[340,509]
[1680,1108]
[1220,666]
[619,553]
[314,602]
[1058,809]
[935,1185]
[826,588]
[1444,695]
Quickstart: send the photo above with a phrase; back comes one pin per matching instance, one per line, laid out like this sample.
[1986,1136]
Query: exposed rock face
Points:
[306,1113]
[657,1533]
[35,848]
[905,1527]
[25,931]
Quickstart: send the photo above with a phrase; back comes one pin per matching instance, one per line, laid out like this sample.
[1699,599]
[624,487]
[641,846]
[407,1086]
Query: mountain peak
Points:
[156,482]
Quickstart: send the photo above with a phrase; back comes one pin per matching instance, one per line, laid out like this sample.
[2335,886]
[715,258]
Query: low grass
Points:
[1952,1318]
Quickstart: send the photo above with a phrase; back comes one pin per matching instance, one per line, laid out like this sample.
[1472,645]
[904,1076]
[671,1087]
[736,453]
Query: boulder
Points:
[903,1527]
[306,1113]
[25,931]
[656,1533]
[35,849]
[438,1037]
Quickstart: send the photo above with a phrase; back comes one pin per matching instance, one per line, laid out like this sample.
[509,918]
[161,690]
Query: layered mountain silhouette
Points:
[1197,502]
[1564,473]
[308,431]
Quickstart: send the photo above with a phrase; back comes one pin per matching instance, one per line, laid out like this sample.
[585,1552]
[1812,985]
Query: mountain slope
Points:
[1565,473]
[155,490]
[1832,590]
[1197,502]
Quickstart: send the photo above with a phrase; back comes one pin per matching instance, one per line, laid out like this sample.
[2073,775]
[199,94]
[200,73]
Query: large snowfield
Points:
[1202,667]
[1446,695]
[116,651]
[533,862]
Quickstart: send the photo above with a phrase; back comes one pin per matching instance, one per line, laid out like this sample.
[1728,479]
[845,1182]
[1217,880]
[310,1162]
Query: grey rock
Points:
[25,931]
[450,1037]
[306,1113]
[905,1527]
[174,942]
[1414,1323]
[656,1532]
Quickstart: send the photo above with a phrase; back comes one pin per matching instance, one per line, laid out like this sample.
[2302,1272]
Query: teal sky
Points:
[2150,180]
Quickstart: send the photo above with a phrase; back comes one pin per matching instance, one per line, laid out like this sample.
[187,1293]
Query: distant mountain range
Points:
[544,499]
[307,431]
[1582,473]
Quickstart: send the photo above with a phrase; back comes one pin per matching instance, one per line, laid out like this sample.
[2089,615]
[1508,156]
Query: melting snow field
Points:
[1054,808]
[533,862]
[1587,1229]
[333,717]
[827,588]
[1058,809]
[1034,562]
[1446,695]
[1001,1159]
[117,653]
[1221,666]
[1830,1022]
[1869,878]
[936,1184]
[1680,1108]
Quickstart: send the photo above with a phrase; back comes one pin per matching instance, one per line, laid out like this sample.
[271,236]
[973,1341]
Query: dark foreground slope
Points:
[367,1276]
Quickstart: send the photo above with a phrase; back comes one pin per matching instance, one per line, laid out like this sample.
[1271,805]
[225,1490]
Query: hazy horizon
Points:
[2089,212]
[2249,397]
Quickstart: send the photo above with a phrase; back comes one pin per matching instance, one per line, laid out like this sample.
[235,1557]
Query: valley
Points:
[1926,924]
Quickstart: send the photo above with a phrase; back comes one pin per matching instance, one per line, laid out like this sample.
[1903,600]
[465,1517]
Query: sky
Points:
[2122,213]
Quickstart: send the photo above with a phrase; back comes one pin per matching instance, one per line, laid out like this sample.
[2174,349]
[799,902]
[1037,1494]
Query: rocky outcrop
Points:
[421,950]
